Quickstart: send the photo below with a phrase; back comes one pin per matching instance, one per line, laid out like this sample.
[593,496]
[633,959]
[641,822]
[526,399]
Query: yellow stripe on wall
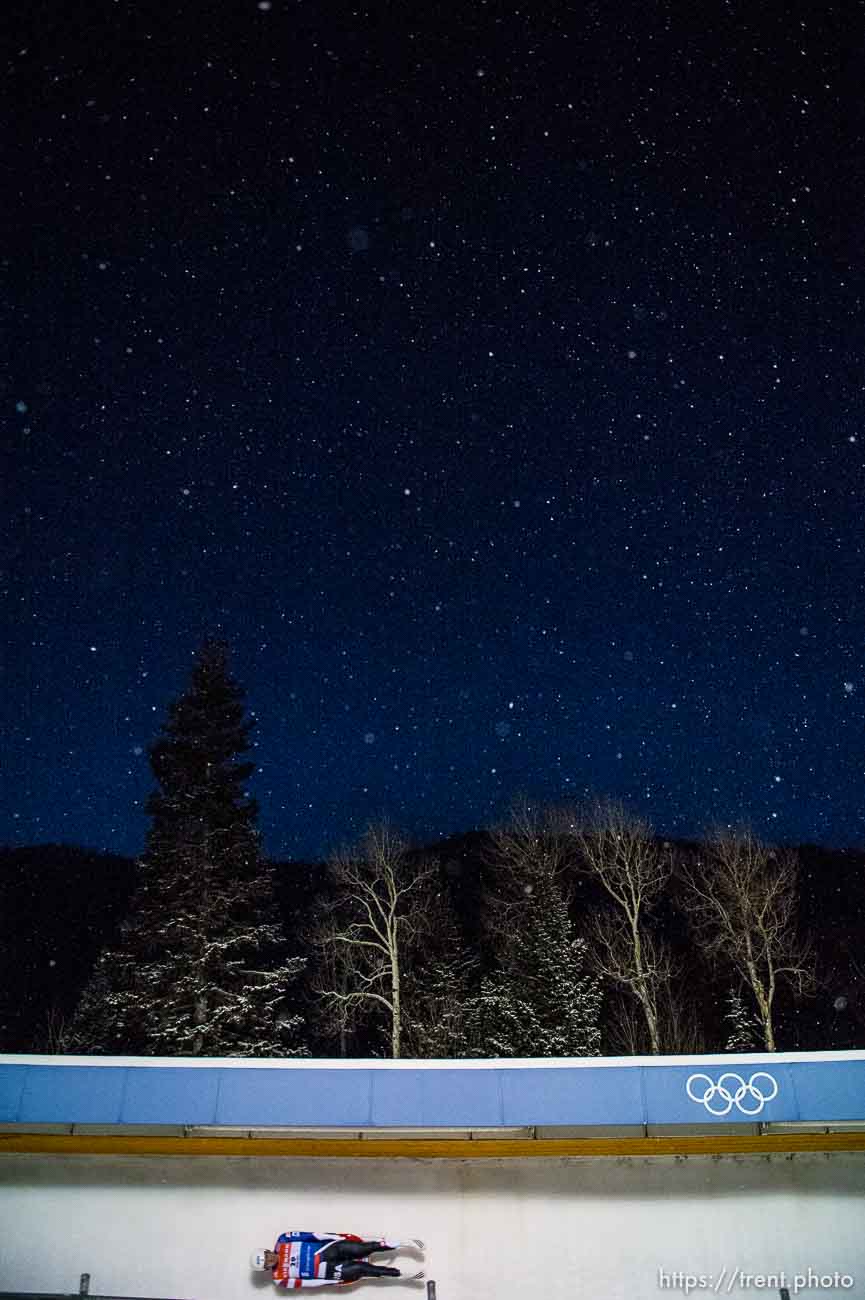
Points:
[427,1148]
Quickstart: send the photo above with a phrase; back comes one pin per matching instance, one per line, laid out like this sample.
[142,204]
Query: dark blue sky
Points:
[492,380]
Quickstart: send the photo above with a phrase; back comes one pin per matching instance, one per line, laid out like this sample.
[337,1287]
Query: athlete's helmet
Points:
[256,1260]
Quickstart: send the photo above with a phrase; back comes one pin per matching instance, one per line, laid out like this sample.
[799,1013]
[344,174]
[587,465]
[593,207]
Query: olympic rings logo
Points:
[731,1090]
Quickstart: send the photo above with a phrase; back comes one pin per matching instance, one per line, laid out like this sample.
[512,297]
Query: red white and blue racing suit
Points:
[327,1259]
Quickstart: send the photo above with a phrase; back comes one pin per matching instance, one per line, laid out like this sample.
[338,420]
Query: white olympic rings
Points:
[729,1098]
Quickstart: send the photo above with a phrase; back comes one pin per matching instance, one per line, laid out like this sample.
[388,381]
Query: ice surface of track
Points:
[495,1228]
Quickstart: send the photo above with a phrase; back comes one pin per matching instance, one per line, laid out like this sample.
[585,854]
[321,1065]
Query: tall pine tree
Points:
[200,966]
[544,999]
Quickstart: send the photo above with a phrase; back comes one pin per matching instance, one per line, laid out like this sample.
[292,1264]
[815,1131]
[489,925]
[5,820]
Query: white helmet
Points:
[256,1260]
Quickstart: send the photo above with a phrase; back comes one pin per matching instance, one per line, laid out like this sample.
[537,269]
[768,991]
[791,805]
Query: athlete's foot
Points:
[416,1241]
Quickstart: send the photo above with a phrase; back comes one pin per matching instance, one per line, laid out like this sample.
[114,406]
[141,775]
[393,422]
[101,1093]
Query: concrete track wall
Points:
[539,1229]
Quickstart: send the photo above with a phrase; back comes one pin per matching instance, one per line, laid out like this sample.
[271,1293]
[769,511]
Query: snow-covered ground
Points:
[540,1229]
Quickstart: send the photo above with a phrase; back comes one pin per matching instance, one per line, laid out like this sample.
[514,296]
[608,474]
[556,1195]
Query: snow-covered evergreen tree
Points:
[200,968]
[543,1000]
[438,986]
[743,1027]
[565,993]
[499,1021]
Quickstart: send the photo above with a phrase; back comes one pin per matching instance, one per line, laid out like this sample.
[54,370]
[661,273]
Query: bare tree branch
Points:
[380,916]
[741,900]
[620,851]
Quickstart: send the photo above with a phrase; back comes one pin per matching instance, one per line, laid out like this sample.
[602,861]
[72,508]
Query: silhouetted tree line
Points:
[565,931]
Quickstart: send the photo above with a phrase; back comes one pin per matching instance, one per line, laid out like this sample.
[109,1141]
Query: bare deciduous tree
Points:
[527,854]
[632,958]
[438,985]
[854,1003]
[619,850]
[381,916]
[52,1034]
[334,971]
[741,898]
[530,846]
[679,1030]
[625,1030]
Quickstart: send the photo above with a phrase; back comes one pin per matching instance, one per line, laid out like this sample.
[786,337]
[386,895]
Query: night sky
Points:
[490,377]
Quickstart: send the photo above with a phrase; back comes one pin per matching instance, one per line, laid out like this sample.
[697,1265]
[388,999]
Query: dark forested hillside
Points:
[60,904]
[58,907]
[832,906]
